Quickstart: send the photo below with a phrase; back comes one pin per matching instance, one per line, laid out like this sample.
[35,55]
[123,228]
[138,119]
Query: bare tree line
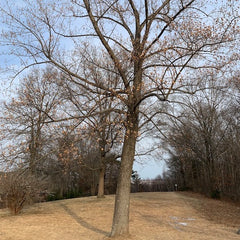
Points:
[65,156]
[204,144]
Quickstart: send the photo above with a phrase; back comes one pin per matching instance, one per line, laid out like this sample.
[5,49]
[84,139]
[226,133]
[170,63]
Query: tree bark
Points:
[120,224]
[92,190]
[101,183]
[102,145]
[93,185]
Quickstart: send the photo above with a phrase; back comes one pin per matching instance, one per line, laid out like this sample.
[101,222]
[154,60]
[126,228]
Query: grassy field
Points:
[153,216]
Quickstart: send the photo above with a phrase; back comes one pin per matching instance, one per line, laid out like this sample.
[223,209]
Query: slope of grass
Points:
[153,216]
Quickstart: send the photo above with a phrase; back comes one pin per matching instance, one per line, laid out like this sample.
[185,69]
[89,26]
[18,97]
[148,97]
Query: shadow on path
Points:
[82,222]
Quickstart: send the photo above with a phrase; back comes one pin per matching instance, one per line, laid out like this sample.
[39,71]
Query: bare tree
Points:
[155,49]
[23,120]
[97,113]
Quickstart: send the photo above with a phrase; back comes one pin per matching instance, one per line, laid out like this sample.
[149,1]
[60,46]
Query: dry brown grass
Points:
[154,216]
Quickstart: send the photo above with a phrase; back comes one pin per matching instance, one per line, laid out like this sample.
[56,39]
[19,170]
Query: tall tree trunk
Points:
[102,145]
[93,184]
[92,189]
[101,183]
[120,225]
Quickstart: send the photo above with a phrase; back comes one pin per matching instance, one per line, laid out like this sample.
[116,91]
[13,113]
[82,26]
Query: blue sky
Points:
[150,168]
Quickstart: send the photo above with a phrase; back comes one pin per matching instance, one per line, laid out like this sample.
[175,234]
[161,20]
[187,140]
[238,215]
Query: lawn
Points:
[153,216]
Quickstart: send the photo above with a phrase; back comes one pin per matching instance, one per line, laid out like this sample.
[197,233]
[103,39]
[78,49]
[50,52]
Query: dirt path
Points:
[163,216]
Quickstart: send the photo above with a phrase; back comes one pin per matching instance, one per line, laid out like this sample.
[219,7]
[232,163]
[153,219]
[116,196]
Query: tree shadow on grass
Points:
[82,222]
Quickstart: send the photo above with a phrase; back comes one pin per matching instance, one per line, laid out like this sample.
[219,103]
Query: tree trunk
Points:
[93,184]
[101,183]
[120,225]
[93,189]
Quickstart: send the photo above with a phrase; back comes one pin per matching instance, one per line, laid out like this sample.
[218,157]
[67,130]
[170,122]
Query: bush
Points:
[18,190]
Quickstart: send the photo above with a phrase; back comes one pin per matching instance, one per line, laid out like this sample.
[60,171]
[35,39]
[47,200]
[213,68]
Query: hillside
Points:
[163,216]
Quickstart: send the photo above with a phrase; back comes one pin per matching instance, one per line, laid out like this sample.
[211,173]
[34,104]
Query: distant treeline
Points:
[204,144]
